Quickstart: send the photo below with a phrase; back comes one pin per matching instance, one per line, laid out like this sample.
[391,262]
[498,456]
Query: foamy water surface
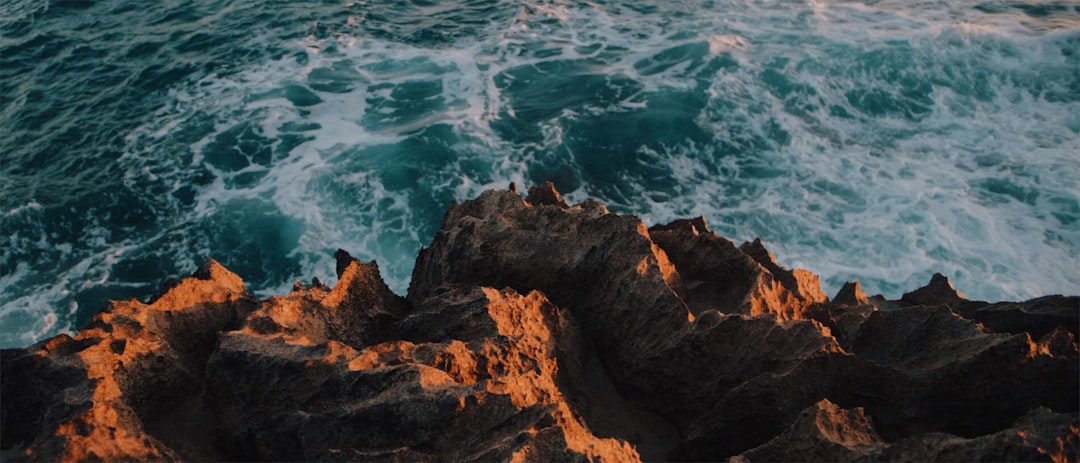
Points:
[881,141]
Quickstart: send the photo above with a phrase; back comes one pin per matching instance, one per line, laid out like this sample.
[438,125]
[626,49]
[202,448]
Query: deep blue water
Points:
[874,140]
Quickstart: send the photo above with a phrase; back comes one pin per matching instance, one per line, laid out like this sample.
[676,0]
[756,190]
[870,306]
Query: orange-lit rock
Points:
[109,391]
[536,330]
[482,381]
[745,279]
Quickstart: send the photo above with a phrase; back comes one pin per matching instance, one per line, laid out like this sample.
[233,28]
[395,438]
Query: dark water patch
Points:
[893,81]
[799,99]
[992,7]
[1065,210]
[392,105]
[185,14]
[434,25]
[287,142]
[392,68]
[74,225]
[538,50]
[990,159]
[616,153]
[752,169]
[301,96]
[782,86]
[540,91]
[200,42]
[104,79]
[35,114]
[61,5]
[246,179]
[158,77]
[126,212]
[839,111]
[249,237]
[238,147]
[1000,190]
[1041,9]
[877,102]
[292,126]
[416,90]
[15,28]
[643,8]
[141,268]
[967,77]
[589,49]
[404,165]
[340,77]
[1070,47]
[185,195]
[143,50]
[37,49]
[402,194]
[839,193]
[660,62]
[1055,84]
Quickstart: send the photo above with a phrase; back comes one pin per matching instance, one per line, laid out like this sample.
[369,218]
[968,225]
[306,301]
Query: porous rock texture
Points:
[534,330]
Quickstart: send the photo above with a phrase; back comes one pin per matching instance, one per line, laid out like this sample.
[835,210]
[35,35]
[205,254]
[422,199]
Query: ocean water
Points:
[878,140]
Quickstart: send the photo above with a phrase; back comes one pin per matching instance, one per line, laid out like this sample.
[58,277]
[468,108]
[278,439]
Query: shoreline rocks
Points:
[535,330]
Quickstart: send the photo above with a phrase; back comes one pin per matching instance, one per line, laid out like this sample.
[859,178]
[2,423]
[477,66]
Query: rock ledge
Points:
[535,330]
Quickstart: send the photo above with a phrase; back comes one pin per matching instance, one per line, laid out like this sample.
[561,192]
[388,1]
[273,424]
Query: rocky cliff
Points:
[538,331]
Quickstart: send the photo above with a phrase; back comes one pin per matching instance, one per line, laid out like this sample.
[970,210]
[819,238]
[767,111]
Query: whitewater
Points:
[881,141]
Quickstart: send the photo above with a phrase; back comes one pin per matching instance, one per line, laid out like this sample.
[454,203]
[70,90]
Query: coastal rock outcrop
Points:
[536,330]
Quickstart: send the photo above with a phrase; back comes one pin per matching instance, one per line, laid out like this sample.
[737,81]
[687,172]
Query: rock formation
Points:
[534,330]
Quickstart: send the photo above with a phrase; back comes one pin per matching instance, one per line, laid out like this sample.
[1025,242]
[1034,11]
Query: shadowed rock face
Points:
[539,331]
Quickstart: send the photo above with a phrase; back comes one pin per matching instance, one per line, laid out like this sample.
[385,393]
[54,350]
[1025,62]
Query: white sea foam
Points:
[980,186]
[852,200]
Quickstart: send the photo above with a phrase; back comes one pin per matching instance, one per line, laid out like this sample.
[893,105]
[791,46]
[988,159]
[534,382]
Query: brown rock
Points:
[823,432]
[620,287]
[1039,435]
[851,294]
[486,388]
[939,291]
[601,266]
[108,392]
[1036,317]
[715,274]
[538,331]
[955,364]
[804,284]
[544,194]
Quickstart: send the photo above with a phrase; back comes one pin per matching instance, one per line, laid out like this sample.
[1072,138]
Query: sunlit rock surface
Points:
[539,331]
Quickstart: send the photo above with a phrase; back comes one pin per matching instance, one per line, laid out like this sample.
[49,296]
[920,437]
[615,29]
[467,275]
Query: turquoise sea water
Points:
[871,140]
